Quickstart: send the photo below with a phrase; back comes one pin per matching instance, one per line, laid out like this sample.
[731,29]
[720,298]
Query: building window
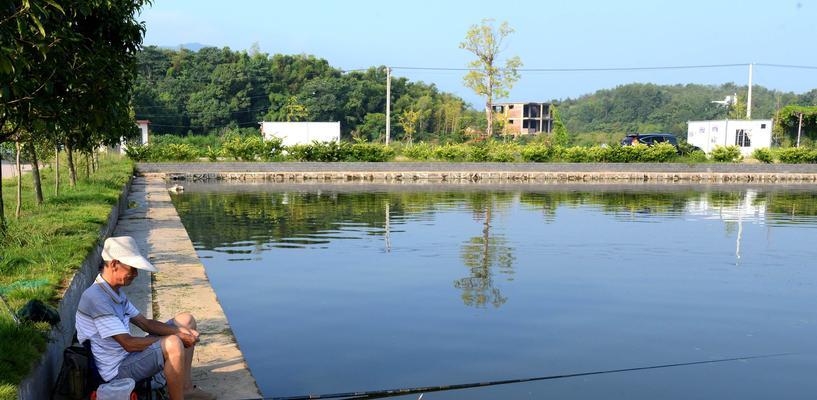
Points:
[510,107]
[714,129]
[742,138]
[510,121]
[762,126]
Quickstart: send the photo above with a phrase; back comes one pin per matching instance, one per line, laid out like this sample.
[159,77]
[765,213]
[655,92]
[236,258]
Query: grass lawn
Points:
[41,250]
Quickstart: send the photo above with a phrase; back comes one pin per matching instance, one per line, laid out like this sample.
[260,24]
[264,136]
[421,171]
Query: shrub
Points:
[321,151]
[763,155]
[697,156]
[479,153]
[419,151]
[242,148]
[139,153]
[370,152]
[624,154]
[501,152]
[538,153]
[178,152]
[273,149]
[661,152]
[452,152]
[212,154]
[576,154]
[797,155]
[162,152]
[726,154]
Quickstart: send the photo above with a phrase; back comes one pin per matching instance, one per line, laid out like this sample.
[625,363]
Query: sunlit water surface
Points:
[352,288]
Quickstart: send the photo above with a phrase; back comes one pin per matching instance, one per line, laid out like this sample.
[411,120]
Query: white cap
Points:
[125,250]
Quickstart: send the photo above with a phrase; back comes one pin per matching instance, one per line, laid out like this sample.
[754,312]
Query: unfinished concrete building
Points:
[526,118]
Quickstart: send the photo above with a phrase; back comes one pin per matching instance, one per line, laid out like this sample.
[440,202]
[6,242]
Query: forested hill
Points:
[639,107]
[182,91]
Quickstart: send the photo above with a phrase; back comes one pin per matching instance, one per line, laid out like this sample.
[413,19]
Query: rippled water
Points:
[351,287]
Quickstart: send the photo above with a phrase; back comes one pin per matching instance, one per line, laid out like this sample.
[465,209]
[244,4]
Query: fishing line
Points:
[415,390]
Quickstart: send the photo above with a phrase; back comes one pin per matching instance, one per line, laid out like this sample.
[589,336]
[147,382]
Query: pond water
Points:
[338,288]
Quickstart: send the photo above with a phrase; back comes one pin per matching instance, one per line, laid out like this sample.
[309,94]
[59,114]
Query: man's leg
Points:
[186,320]
[173,351]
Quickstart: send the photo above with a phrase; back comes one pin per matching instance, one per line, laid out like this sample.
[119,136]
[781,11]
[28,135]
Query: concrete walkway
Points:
[182,285]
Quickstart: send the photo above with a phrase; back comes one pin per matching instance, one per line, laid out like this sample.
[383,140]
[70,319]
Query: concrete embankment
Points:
[475,172]
[182,285]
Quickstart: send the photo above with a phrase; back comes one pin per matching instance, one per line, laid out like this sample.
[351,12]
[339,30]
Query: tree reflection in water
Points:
[482,255]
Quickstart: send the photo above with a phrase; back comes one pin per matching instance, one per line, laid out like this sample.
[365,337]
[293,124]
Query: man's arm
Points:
[133,344]
[158,328]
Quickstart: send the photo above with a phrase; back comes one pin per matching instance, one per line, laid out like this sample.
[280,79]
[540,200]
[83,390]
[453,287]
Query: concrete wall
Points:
[475,172]
[39,383]
[301,132]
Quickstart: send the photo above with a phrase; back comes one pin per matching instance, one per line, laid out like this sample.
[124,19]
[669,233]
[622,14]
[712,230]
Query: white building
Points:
[746,134]
[301,132]
[123,145]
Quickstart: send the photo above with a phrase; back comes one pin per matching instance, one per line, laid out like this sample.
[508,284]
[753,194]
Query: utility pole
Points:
[749,97]
[388,104]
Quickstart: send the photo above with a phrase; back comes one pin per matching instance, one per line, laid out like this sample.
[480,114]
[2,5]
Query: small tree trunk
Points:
[2,206]
[35,174]
[87,166]
[19,208]
[489,115]
[56,170]
[72,169]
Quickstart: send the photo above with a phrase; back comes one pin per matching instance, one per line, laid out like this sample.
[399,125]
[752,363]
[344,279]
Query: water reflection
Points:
[391,287]
[483,254]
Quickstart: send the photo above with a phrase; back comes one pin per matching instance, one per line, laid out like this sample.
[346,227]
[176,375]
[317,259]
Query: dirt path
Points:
[182,285]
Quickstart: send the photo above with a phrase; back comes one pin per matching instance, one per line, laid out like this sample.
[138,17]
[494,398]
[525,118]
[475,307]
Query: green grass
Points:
[41,250]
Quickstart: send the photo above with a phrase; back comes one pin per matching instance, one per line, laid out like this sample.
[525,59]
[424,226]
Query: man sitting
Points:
[104,316]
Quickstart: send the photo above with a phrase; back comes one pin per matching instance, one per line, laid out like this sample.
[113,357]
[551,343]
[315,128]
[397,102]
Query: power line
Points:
[787,66]
[594,69]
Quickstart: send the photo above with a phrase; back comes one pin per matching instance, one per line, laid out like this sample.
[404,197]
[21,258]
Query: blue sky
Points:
[549,34]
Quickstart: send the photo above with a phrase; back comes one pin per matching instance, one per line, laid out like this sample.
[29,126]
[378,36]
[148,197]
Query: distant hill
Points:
[646,107]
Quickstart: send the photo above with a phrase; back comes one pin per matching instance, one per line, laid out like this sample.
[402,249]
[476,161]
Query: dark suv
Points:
[650,139]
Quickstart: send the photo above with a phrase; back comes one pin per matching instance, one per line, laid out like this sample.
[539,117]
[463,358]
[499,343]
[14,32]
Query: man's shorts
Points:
[144,364]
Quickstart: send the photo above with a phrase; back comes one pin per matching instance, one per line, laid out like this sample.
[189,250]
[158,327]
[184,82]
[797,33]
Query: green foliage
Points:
[43,249]
[538,153]
[452,152]
[726,154]
[485,77]
[787,123]
[763,155]
[560,136]
[321,151]
[419,151]
[242,148]
[370,152]
[640,107]
[273,149]
[166,152]
[661,152]
[207,90]
[797,155]
[696,156]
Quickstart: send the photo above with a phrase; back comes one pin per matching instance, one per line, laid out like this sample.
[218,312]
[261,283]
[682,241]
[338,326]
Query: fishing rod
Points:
[426,389]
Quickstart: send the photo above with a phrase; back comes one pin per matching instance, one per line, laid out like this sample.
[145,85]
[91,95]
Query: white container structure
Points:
[748,135]
[301,132]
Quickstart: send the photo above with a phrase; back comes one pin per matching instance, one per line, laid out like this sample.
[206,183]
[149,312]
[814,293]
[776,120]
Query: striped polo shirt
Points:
[103,313]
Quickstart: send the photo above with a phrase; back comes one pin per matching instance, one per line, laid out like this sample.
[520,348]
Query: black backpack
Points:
[78,376]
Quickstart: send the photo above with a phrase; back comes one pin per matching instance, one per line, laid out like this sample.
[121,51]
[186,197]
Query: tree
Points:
[486,78]
[560,135]
[408,120]
[295,111]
